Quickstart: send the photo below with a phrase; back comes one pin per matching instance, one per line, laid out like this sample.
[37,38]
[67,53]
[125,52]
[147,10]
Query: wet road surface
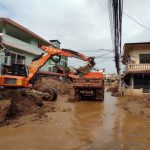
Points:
[90,125]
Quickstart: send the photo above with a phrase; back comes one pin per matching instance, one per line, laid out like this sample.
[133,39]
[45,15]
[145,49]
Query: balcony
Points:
[18,44]
[137,68]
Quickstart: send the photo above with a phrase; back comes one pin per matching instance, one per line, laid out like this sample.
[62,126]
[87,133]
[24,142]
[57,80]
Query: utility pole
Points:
[115,8]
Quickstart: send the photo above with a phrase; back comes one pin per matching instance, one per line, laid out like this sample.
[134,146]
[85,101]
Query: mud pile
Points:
[32,102]
[59,86]
[19,105]
[139,105]
[113,88]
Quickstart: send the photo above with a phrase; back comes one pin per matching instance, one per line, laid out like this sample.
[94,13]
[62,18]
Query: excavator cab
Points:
[16,70]
[14,76]
[20,70]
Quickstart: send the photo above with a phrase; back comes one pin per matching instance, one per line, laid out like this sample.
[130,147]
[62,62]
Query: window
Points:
[15,58]
[20,59]
[6,59]
[144,58]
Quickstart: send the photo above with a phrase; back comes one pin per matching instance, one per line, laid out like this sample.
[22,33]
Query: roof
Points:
[16,25]
[137,43]
[128,46]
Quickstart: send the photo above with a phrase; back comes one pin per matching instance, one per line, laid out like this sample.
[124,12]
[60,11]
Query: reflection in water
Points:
[88,116]
[104,125]
[92,125]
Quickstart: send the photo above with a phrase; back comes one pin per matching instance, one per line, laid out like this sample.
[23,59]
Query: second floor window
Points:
[14,58]
[144,58]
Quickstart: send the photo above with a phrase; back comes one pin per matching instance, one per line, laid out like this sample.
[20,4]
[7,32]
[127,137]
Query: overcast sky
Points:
[81,25]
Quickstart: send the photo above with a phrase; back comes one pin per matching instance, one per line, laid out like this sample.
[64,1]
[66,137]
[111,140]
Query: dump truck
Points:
[89,86]
[86,84]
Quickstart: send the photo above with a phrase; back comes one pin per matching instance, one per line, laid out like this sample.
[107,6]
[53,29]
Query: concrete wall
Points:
[34,42]
[1,57]
[132,91]
[137,50]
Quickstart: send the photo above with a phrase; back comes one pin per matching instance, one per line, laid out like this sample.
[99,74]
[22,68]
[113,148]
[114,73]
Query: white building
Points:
[136,59]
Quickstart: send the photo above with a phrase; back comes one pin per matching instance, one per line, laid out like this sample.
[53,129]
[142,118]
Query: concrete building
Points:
[64,60]
[136,59]
[22,43]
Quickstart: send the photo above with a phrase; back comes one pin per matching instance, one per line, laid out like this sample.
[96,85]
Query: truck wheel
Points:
[77,95]
[100,95]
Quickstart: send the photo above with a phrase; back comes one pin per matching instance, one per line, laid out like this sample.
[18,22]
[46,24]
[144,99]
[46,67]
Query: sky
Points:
[80,25]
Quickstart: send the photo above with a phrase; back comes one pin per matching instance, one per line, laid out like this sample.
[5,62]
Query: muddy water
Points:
[88,126]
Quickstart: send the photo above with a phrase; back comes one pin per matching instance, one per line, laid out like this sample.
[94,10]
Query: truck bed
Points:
[89,87]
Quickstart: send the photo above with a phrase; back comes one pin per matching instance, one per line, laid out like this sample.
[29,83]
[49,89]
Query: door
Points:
[142,81]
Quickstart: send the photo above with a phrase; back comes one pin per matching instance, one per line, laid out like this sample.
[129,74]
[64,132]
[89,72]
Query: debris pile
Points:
[113,88]
[139,105]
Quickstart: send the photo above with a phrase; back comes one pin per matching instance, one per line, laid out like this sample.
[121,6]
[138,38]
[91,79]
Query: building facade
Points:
[22,43]
[64,60]
[136,76]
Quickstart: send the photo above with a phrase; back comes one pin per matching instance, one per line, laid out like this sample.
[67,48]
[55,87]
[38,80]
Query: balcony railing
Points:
[137,67]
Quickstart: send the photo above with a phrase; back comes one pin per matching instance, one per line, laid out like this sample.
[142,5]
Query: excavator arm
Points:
[41,60]
[22,76]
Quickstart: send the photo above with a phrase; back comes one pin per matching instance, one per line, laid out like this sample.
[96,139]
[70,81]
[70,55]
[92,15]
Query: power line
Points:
[103,54]
[107,57]
[98,50]
[137,21]
[103,61]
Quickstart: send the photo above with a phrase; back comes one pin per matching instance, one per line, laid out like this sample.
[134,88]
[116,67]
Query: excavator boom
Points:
[17,80]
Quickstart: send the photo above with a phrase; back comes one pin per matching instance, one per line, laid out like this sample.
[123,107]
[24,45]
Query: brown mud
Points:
[84,125]
[138,105]
[18,104]
[29,123]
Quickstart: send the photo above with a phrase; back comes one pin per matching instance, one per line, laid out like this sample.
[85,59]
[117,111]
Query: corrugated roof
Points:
[15,24]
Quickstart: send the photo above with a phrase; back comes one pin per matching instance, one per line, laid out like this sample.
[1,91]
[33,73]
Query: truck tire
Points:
[77,95]
[100,94]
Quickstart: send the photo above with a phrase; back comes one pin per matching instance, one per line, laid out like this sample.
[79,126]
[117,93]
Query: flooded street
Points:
[87,125]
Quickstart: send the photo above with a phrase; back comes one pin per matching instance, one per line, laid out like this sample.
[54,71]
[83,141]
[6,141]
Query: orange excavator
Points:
[85,83]
[20,75]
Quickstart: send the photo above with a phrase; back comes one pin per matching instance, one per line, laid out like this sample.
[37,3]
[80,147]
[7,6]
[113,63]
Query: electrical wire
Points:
[103,61]
[98,50]
[99,56]
[142,25]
